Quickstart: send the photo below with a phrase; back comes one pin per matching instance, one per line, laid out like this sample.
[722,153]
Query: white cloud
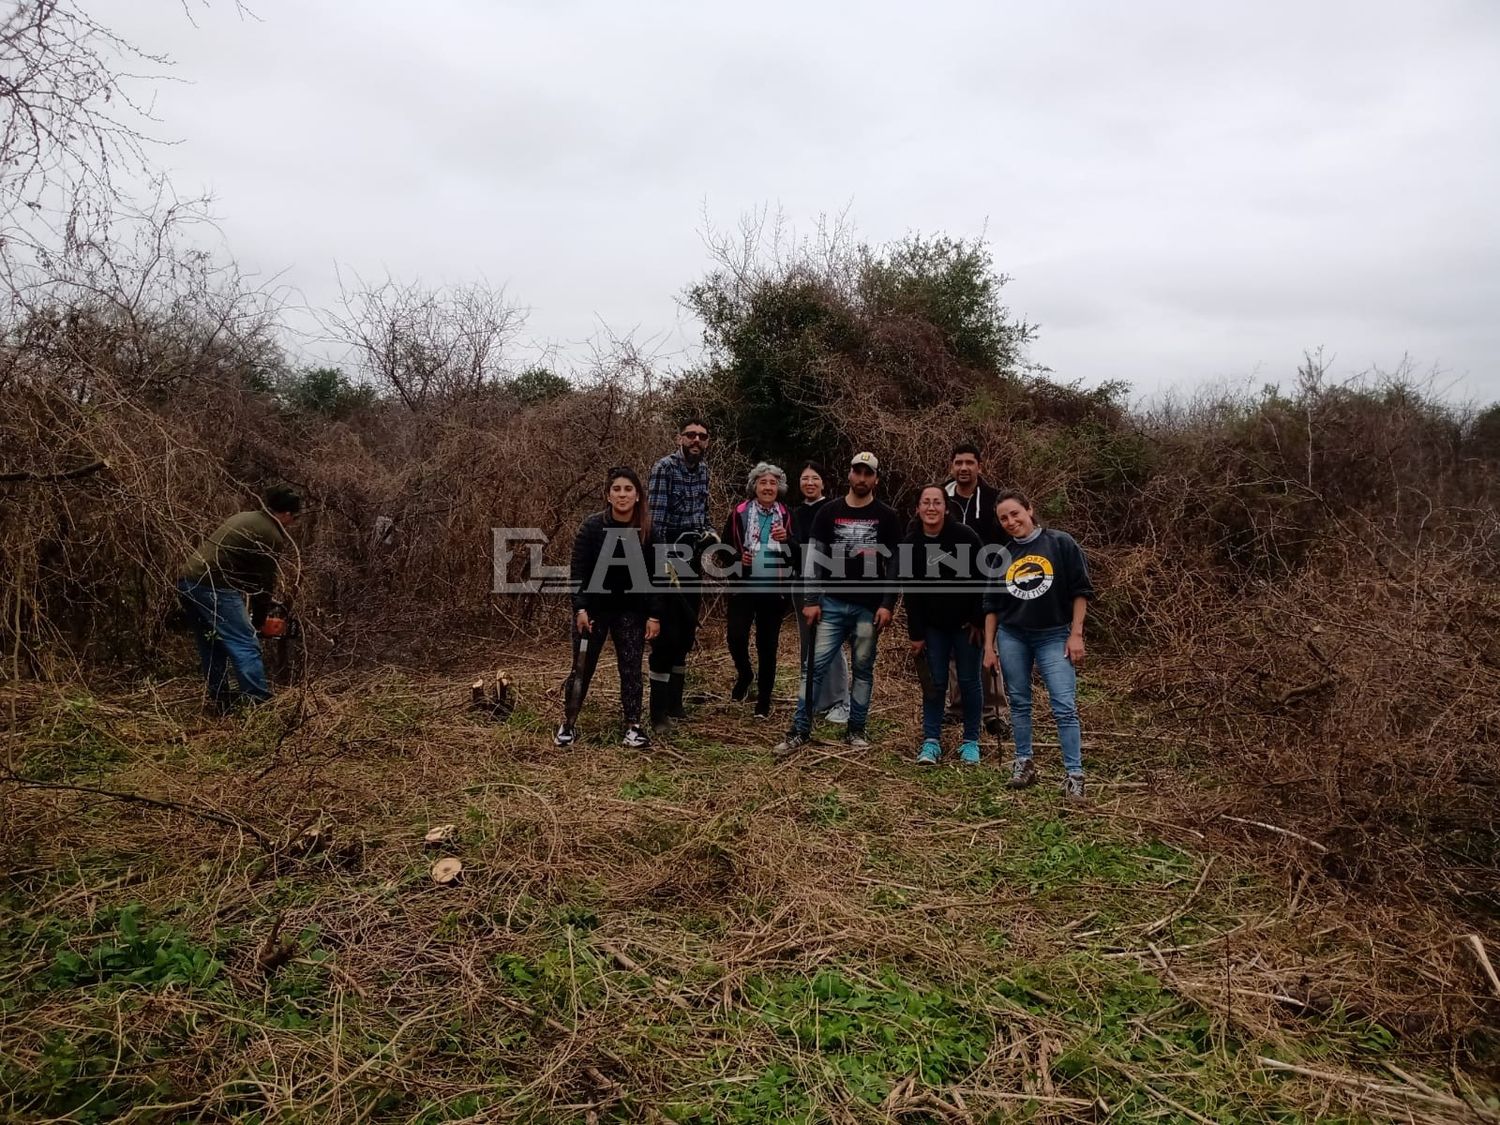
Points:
[1181,192]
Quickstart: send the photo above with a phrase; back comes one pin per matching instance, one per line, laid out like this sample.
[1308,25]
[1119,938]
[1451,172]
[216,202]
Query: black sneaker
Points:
[789,745]
[564,735]
[856,740]
[741,690]
[635,738]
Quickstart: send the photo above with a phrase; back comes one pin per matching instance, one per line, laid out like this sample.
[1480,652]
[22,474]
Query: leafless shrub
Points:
[427,346]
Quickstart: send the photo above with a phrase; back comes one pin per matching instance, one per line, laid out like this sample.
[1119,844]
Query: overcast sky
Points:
[1182,192]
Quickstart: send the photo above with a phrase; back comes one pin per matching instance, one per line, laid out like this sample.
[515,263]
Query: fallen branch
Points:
[137,799]
[1278,831]
[1166,920]
[1446,1100]
[1477,945]
[49,478]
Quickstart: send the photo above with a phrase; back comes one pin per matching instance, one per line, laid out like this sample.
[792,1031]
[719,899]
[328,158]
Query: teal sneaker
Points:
[930,753]
[968,752]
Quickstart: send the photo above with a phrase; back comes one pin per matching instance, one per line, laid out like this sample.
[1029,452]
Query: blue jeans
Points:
[1048,648]
[840,622]
[954,644]
[221,626]
[833,689]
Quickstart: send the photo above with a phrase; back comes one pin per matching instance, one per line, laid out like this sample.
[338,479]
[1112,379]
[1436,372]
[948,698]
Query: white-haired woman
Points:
[759,527]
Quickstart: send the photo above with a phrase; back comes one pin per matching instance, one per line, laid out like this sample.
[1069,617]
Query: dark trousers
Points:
[629,633]
[763,612]
[668,660]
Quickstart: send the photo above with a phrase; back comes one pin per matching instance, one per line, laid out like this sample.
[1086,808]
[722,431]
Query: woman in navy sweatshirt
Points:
[612,597]
[1034,614]
[944,593]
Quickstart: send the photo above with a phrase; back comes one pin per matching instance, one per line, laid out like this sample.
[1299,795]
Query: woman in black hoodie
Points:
[944,591]
[612,597]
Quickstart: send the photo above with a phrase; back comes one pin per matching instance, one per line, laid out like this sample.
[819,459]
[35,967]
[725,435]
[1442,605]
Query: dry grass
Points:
[696,934]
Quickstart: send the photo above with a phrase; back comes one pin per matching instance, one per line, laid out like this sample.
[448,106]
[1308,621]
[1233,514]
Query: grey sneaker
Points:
[1022,773]
[1073,787]
[856,740]
[789,745]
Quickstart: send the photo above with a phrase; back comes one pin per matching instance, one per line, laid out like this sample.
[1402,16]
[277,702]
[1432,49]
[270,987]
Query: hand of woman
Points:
[991,660]
[778,533]
[583,622]
[653,627]
[918,646]
[1075,649]
[745,558]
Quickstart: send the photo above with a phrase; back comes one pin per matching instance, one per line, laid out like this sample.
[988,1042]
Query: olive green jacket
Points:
[240,554]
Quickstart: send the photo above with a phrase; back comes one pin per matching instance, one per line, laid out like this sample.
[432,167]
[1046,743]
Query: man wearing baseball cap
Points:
[850,593]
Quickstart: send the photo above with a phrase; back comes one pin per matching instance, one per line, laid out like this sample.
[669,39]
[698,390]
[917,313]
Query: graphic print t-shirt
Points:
[861,542]
[1042,576]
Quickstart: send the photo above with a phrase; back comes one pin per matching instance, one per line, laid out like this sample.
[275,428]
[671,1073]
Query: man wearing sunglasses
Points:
[677,494]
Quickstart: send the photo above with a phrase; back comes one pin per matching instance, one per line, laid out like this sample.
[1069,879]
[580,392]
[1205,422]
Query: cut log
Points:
[446,871]
[442,834]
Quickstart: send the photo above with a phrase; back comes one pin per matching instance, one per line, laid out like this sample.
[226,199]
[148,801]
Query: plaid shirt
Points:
[678,496]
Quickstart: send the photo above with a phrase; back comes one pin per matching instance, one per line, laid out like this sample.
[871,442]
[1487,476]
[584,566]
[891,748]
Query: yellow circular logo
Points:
[1029,577]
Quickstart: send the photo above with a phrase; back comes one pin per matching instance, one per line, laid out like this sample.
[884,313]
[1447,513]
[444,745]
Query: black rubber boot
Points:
[674,696]
[660,694]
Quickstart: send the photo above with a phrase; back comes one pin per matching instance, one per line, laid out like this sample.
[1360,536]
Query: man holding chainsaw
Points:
[678,495]
[238,561]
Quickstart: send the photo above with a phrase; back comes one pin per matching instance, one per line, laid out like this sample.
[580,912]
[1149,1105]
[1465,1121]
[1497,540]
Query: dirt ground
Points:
[234,920]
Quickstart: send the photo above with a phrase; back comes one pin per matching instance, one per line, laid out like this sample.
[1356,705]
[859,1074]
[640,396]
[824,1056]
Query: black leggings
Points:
[629,632]
[765,613]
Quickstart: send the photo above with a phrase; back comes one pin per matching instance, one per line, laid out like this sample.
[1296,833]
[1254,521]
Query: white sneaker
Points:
[838,714]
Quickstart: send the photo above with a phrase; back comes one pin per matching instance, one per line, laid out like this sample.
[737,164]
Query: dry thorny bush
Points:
[1298,612]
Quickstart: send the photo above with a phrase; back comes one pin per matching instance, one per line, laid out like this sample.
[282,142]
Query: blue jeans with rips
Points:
[1048,650]
[944,645]
[841,621]
[225,637]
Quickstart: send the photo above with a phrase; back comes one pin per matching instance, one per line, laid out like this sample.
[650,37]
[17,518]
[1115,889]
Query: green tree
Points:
[539,384]
[952,285]
[326,391]
[916,323]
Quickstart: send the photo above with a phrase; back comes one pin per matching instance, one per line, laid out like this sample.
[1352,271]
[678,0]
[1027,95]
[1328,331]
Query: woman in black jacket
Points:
[833,689]
[612,597]
[944,592]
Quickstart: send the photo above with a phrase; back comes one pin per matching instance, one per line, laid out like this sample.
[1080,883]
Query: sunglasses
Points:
[695,435]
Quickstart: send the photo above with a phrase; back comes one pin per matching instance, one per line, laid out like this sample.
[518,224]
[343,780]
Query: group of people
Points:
[990,595]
